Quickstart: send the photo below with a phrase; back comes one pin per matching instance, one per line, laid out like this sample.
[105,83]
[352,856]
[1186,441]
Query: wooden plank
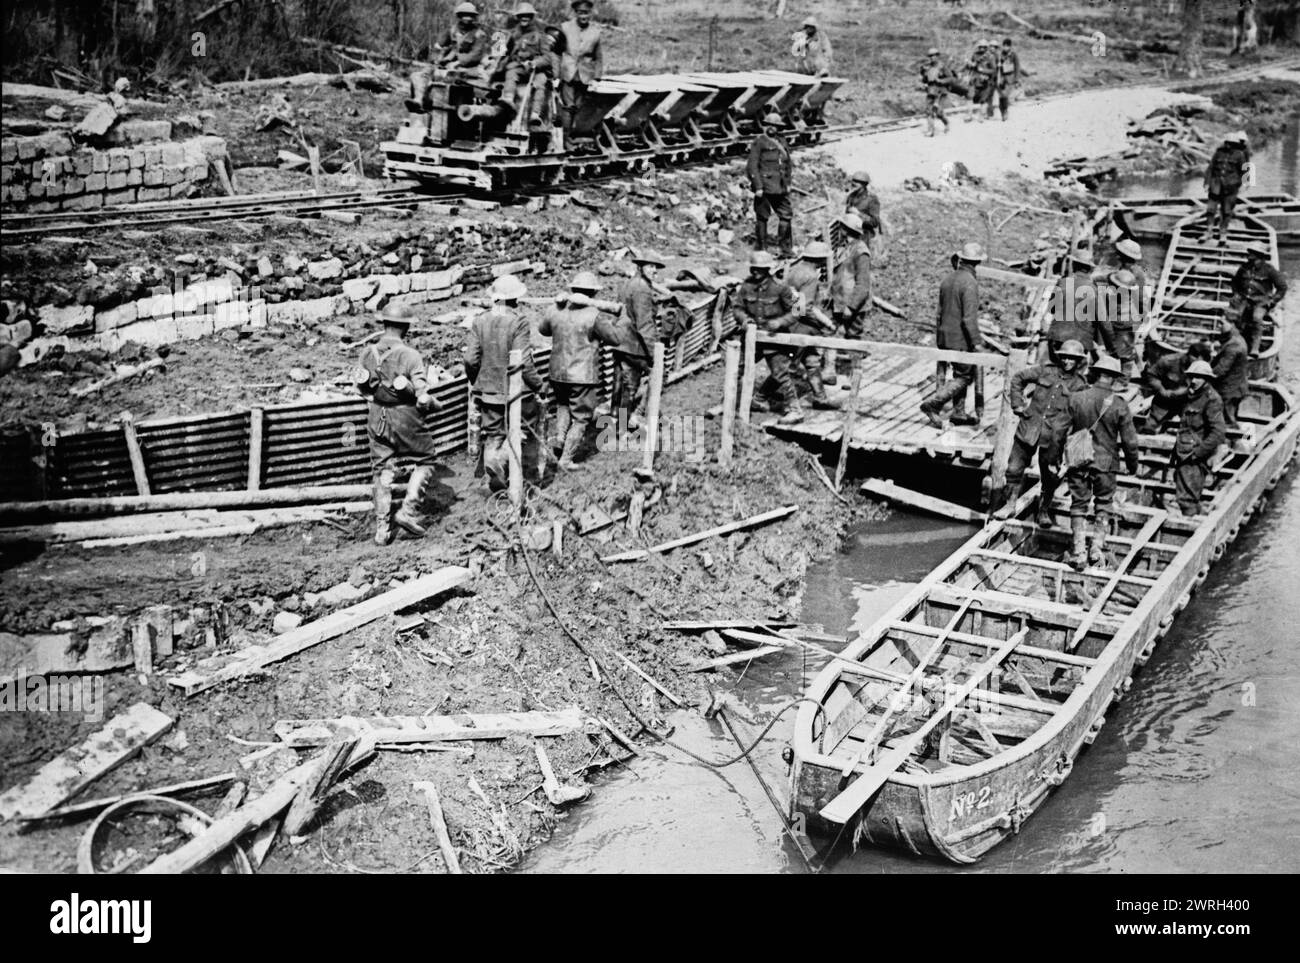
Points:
[413,730]
[850,416]
[138,470]
[1099,603]
[846,805]
[640,553]
[747,380]
[730,375]
[654,397]
[514,428]
[95,805]
[726,624]
[854,345]
[321,630]
[928,503]
[710,664]
[255,449]
[75,768]
[966,638]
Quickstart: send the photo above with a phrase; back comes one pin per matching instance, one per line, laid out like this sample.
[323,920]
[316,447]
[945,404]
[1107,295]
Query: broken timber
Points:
[256,657]
[409,730]
[926,503]
[640,553]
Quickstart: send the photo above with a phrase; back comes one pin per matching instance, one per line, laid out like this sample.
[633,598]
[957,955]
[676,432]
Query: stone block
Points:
[153,193]
[96,182]
[153,177]
[134,177]
[117,180]
[119,160]
[114,198]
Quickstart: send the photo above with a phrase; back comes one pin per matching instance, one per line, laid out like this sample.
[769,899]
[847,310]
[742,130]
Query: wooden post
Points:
[747,380]
[255,450]
[514,427]
[313,155]
[136,455]
[653,399]
[1007,421]
[850,415]
[730,374]
[979,394]
[679,353]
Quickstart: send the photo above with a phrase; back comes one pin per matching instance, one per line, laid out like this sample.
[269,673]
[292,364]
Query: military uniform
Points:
[770,172]
[770,304]
[581,64]
[531,65]
[936,78]
[639,330]
[1200,432]
[1006,80]
[1256,287]
[1222,182]
[957,330]
[1044,423]
[813,54]
[1166,382]
[982,69]
[576,333]
[463,50]
[1078,315]
[1232,375]
[492,336]
[805,279]
[1108,416]
[851,290]
[865,203]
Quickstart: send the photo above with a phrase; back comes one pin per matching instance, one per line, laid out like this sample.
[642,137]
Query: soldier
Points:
[1166,382]
[1200,433]
[392,376]
[582,62]
[766,302]
[980,69]
[957,329]
[865,203]
[1231,371]
[1006,79]
[1256,288]
[770,172]
[639,330]
[464,46]
[1223,179]
[1107,415]
[1077,313]
[576,330]
[492,336]
[936,78]
[805,279]
[851,290]
[812,50]
[1044,423]
[1123,317]
[530,66]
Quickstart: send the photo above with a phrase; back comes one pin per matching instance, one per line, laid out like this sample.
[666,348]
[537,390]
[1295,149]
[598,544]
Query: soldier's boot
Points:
[383,489]
[929,125]
[1045,518]
[572,441]
[1097,541]
[760,236]
[794,413]
[1009,495]
[1079,530]
[785,238]
[931,412]
[410,515]
[563,419]
[495,462]
[830,376]
[959,414]
[819,399]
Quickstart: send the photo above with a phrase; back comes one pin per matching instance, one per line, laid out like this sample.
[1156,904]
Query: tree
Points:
[1190,48]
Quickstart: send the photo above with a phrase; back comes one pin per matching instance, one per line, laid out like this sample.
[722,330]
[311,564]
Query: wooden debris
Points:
[558,795]
[95,805]
[727,624]
[102,648]
[75,768]
[186,501]
[710,664]
[439,826]
[82,391]
[257,657]
[659,688]
[407,730]
[927,503]
[340,754]
[751,522]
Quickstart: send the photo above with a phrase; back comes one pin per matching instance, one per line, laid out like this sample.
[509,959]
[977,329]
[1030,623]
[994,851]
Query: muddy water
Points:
[1197,769]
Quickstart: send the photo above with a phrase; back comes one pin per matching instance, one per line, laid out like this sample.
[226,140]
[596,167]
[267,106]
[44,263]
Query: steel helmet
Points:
[1200,369]
[981,44]
[1124,279]
[1071,349]
[645,255]
[816,251]
[575,4]
[852,222]
[971,251]
[1260,249]
[861,177]
[584,281]
[396,314]
[1107,365]
[1238,136]
[507,288]
[932,52]
[773,119]
[525,9]
[1006,41]
[1130,248]
[761,261]
[466,9]
[809,22]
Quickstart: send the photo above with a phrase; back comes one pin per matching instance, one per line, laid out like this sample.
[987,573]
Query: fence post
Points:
[653,399]
[514,427]
[136,455]
[731,372]
[255,450]
[747,380]
[850,415]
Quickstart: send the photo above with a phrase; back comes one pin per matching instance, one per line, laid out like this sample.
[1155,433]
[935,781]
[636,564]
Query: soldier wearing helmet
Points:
[639,330]
[1164,380]
[577,330]
[391,375]
[981,70]
[1106,415]
[811,49]
[1231,366]
[492,336]
[764,301]
[464,45]
[1256,288]
[852,282]
[806,278]
[937,78]
[531,65]
[1201,430]
[770,172]
[1006,78]
[1223,178]
[957,329]
[865,203]
[581,60]
[1044,423]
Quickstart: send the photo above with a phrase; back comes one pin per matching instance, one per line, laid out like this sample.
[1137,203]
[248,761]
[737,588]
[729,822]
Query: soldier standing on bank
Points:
[531,65]
[1256,288]
[936,78]
[1200,433]
[1044,423]
[582,60]
[980,70]
[865,203]
[764,301]
[1231,366]
[957,329]
[811,49]
[1223,177]
[492,336]
[1104,413]
[806,280]
[392,377]
[851,289]
[1006,79]
[770,173]
[639,330]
